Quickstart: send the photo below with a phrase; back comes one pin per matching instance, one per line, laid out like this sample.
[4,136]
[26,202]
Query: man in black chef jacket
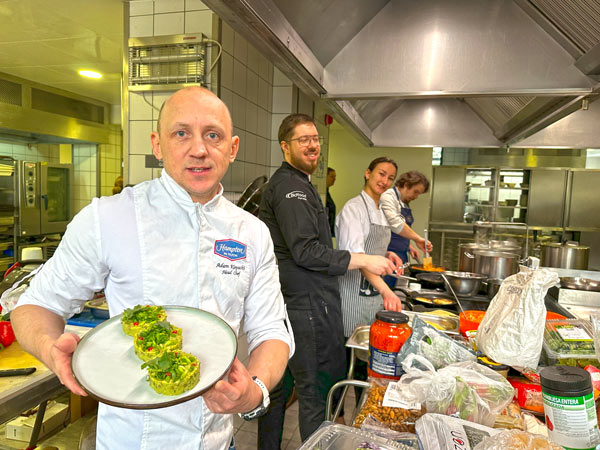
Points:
[308,270]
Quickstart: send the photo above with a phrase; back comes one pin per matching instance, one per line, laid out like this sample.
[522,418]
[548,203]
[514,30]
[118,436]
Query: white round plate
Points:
[108,369]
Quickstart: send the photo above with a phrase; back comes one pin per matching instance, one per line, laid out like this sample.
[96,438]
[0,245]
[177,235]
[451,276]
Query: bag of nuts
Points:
[390,405]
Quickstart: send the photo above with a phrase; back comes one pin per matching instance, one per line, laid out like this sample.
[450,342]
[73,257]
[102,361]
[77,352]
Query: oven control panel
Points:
[29,184]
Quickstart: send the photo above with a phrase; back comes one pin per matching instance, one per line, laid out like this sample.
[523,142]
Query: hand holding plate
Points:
[235,393]
[61,354]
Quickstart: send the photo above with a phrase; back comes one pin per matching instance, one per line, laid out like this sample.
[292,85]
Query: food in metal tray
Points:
[159,337]
[139,317]
[173,373]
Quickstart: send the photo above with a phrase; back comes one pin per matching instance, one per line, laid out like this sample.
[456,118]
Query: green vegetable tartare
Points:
[139,317]
[157,338]
[173,373]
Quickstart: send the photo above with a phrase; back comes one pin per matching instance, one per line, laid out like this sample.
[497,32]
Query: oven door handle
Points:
[45,198]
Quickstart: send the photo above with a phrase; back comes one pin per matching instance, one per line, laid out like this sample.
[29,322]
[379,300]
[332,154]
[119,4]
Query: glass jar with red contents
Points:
[386,337]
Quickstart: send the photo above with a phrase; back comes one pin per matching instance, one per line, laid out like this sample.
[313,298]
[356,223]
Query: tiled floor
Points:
[245,432]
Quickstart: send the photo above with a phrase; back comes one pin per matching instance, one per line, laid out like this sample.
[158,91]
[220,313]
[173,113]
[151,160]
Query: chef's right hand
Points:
[61,354]
[379,265]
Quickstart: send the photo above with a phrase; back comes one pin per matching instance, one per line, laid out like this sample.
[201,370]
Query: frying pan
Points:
[415,298]
[417,268]
[430,280]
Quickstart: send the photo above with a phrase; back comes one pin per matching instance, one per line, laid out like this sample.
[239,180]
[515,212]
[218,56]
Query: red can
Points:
[387,335]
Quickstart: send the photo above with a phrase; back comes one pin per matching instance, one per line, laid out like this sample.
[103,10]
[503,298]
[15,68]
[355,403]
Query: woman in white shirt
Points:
[361,227]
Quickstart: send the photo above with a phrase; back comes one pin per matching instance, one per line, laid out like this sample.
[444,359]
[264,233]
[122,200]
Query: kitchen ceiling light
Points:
[89,74]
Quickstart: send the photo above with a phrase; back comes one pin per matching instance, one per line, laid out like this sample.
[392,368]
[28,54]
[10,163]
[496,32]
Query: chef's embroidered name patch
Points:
[230,249]
[296,194]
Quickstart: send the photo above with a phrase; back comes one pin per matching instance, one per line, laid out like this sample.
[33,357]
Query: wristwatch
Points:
[260,409]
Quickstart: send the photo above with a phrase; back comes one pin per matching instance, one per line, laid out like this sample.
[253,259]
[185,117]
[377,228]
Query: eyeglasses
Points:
[303,141]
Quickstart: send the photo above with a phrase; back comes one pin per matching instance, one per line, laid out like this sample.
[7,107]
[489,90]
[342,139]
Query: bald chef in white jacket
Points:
[155,243]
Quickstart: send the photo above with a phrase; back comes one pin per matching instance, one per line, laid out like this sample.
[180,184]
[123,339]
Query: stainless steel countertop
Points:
[591,274]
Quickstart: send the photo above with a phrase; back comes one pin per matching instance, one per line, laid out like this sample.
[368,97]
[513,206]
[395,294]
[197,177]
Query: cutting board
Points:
[14,357]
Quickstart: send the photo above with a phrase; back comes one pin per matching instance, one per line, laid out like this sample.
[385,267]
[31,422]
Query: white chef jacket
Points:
[392,208]
[152,245]
[352,223]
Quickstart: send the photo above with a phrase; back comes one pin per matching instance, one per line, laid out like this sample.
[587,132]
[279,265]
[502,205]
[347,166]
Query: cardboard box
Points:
[21,428]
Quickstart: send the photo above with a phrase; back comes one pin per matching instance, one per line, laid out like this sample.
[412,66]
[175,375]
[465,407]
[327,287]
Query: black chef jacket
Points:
[299,226]
[330,211]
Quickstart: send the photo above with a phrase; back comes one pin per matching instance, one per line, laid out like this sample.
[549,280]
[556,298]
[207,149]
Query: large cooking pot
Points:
[465,264]
[495,264]
[566,256]
[505,246]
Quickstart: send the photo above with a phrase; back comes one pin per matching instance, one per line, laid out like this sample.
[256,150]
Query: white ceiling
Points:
[49,41]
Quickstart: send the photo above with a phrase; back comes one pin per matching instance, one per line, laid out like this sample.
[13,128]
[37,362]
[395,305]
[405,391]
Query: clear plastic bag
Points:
[439,432]
[512,329]
[516,440]
[510,417]
[435,346]
[372,425]
[373,412]
[466,390]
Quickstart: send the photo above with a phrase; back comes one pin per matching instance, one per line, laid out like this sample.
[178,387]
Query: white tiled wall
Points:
[167,17]
[85,169]
[31,152]
[111,161]
[246,88]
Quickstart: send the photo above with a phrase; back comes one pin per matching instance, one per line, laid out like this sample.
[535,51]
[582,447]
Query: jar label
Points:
[571,421]
[383,362]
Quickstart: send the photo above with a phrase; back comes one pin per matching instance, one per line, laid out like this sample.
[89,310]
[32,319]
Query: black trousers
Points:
[318,363]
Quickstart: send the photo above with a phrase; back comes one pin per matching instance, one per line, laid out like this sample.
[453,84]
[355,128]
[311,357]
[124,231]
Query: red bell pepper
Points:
[7,335]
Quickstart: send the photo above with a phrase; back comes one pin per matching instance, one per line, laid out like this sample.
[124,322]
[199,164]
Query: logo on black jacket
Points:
[296,194]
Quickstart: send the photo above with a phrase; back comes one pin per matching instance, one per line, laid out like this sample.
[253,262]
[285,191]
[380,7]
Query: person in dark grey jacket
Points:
[308,271]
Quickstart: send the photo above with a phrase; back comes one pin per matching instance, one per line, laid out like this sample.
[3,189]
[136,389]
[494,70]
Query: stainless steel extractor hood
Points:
[433,72]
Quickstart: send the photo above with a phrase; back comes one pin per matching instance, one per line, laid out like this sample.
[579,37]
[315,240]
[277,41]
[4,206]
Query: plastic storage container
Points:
[330,436]
[569,342]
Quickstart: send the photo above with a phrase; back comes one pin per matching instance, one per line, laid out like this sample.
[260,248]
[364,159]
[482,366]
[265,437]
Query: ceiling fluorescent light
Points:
[89,74]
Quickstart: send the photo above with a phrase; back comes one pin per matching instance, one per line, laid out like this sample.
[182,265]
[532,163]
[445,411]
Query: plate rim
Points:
[165,404]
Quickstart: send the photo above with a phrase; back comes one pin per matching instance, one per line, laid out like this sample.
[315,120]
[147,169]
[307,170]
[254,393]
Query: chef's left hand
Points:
[236,394]
[394,258]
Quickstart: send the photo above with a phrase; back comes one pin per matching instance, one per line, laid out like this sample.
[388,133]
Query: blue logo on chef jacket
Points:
[230,249]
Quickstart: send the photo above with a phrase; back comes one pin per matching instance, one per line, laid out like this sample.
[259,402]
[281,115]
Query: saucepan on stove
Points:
[432,299]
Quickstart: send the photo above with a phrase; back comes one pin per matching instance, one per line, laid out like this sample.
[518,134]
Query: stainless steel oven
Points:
[45,197]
